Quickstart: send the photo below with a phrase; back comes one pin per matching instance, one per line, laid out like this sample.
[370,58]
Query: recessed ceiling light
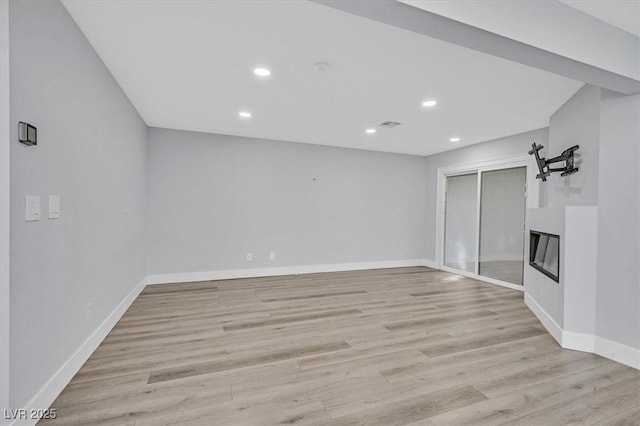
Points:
[370,131]
[454,140]
[244,114]
[429,103]
[262,72]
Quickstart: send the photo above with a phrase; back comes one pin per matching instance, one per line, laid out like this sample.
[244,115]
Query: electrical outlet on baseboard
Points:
[272,255]
[249,257]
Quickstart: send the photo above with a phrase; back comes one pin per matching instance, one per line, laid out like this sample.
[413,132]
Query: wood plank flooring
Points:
[405,346]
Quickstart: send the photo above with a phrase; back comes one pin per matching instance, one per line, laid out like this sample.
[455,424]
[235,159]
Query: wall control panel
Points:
[32,208]
[54,206]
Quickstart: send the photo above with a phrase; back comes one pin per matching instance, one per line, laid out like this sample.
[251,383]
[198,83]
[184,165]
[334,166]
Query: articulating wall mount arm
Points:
[543,163]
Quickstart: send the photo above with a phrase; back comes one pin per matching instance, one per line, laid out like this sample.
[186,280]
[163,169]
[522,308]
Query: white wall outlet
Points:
[249,257]
[272,255]
[54,206]
[32,208]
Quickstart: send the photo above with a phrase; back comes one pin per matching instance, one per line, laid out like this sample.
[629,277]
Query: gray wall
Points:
[607,128]
[499,148]
[214,198]
[618,291]
[577,122]
[91,151]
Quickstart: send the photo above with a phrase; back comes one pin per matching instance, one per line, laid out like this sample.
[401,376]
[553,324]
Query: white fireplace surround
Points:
[568,309]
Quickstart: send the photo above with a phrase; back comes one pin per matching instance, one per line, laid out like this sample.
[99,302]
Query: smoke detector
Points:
[322,66]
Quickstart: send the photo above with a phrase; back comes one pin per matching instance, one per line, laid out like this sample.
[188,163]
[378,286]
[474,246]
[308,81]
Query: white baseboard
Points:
[578,341]
[430,264]
[585,342]
[50,391]
[549,323]
[618,352]
[275,271]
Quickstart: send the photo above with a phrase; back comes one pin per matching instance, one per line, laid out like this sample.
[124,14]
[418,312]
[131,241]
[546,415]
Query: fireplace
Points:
[544,253]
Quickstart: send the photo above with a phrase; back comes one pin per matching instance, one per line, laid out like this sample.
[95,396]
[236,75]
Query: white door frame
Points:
[532,193]
[5,224]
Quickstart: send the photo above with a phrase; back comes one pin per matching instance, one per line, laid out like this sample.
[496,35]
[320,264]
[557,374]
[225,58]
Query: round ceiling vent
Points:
[322,66]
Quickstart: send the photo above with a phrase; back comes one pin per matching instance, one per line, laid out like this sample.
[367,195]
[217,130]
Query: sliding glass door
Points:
[502,210]
[484,223]
[461,222]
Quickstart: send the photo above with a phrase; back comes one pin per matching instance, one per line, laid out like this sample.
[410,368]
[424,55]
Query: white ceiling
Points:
[188,65]
[624,14]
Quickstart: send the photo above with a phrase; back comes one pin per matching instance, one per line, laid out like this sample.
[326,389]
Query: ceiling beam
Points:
[419,20]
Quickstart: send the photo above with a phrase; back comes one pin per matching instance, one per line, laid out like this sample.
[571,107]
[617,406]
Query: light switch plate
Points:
[32,208]
[54,206]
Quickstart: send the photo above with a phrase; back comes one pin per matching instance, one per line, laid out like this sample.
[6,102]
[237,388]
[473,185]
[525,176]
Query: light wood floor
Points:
[381,347]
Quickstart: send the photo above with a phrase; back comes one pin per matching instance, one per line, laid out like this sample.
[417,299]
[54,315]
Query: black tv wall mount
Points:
[543,163]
